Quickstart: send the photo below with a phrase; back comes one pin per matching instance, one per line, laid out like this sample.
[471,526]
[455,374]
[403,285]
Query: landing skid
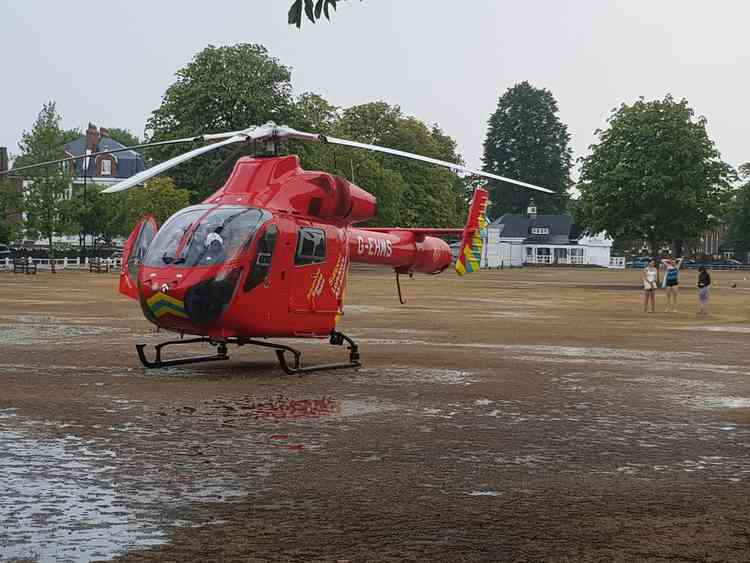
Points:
[296,367]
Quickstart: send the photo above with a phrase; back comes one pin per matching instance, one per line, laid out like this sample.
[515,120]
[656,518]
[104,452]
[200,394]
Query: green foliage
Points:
[313,9]
[10,211]
[527,141]
[231,88]
[123,136]
[48,211]
[739,221]
[159,197]
[654,175]
[221,89]
[99,215]
[408,193]
[46,141]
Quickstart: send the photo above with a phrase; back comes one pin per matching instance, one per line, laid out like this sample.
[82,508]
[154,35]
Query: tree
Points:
[527,141]
[221,89]
[123,136]
[10,211]
[427,195]
[45,201]
[48,210]
[313,9]
[100,215]
[654,175]
[46,141]
[159,197]
[739,222]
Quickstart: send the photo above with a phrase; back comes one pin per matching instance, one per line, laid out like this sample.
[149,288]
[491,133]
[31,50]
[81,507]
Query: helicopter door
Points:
[134,253]
[314,259]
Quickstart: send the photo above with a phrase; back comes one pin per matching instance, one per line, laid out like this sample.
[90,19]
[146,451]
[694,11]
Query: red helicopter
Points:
[268,254]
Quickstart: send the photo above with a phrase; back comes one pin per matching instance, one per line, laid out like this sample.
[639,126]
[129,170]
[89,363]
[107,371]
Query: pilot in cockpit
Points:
[214,244]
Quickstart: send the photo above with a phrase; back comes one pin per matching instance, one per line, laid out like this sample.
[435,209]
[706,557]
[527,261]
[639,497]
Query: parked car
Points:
[639,262]
[726,264]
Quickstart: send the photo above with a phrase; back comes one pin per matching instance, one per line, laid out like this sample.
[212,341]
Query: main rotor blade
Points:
[12,172]
[171,163]
[446,164]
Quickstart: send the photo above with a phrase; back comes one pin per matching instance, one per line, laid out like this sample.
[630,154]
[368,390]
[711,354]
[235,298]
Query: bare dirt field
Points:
[515,415]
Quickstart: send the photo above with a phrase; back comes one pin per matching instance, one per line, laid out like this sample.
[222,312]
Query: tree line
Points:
[653,174]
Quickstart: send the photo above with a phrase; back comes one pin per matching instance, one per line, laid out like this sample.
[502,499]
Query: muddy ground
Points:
[524,415]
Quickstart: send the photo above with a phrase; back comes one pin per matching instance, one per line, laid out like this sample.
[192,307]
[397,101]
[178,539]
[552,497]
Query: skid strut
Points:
[296,367]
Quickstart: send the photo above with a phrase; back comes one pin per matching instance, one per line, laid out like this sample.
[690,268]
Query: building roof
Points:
[561,229]
[128,162]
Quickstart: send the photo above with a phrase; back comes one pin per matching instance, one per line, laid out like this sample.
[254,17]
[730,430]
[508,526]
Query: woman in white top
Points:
[650,283]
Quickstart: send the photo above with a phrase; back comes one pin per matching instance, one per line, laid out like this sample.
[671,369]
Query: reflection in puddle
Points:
[279,408]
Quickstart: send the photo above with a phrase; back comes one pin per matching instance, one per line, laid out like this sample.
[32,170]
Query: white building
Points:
[515,239]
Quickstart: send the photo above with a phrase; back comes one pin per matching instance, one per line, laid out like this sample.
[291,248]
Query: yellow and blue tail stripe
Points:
[162,304]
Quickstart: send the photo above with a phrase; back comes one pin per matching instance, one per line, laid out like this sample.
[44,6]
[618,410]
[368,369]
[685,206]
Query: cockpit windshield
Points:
[204,235]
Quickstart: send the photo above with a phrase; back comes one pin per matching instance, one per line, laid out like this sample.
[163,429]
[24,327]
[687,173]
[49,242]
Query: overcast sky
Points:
[110,62]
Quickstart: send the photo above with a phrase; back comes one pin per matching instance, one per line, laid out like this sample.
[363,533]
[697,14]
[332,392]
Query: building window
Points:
[539,230]
[106,167]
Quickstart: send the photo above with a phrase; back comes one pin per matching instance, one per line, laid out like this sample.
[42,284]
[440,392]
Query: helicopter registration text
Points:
[374,246]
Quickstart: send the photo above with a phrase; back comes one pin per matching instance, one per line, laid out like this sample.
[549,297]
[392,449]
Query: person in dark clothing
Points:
[704,282]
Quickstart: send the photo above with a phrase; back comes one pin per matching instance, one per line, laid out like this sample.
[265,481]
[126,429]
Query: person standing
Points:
[704,283]
[671,281]
[650,282]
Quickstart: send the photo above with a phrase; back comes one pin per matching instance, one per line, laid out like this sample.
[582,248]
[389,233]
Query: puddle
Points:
[737,329]
[651,360]
[724,402]
[484,494]
[69,499]
[398,375]
[32,334]
[60,502]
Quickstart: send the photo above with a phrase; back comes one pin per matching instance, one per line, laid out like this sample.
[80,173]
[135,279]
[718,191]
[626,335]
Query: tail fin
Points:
[470,253]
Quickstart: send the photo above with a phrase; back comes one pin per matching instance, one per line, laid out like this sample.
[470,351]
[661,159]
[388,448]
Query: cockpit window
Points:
[204,235]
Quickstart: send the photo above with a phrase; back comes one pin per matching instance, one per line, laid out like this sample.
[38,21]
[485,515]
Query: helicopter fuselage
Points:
[268,255]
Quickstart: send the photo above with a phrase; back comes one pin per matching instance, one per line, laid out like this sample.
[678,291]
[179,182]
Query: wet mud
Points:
[513,415]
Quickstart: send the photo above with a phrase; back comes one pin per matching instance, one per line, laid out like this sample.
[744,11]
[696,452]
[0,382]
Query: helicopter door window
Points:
[262,265]
[311,247]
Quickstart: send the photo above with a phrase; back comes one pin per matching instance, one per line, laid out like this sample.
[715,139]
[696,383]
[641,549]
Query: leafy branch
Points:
[312,9]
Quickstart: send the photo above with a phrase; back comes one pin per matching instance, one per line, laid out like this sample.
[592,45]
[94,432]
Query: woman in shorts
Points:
[671,281]
[704,283]
[650,282]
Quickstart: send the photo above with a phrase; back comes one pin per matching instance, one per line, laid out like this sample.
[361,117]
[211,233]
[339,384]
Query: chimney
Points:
[531,210]
[3,159]
[92,138]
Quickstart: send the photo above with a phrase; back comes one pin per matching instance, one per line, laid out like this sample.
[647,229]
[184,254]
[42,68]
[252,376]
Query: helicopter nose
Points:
[206,301]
